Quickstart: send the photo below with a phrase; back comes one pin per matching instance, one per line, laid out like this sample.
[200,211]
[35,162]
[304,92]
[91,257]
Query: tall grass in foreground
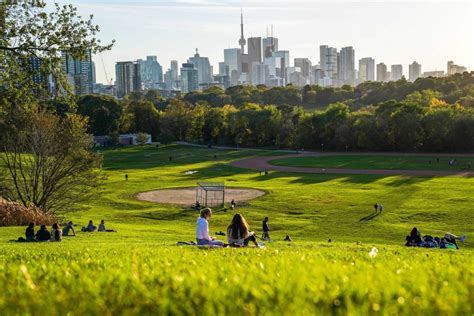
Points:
[281,280]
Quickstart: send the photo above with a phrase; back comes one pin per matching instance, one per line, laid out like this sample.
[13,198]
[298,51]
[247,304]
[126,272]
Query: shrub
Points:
[15,214]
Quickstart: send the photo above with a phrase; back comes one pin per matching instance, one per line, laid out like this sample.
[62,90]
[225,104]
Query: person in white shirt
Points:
[202,230]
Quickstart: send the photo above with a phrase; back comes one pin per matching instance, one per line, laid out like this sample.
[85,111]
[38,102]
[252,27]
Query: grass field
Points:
[403,162]
[140,270]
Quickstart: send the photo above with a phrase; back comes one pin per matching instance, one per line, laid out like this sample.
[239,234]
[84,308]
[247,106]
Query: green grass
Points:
[402,162]
[140,270]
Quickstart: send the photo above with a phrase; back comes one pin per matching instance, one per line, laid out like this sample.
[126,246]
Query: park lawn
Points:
[139,269]
[391,162]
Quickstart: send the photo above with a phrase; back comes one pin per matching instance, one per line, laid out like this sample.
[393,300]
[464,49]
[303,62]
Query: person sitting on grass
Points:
[69,228]
[90,228]
[30,232]
[239,234]
[414,239]
[56,233]
[43,234]
[102,226]
[202,230]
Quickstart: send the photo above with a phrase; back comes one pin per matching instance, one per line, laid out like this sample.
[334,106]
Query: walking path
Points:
[262,164]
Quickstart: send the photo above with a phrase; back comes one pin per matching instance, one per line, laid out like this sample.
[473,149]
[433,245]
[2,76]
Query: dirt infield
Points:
[187,196]
[262,164]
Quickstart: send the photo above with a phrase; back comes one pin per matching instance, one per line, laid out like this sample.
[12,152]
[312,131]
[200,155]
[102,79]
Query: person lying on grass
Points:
[202,230]
[239,234]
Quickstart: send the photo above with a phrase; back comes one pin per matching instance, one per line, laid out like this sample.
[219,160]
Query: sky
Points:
[430,32]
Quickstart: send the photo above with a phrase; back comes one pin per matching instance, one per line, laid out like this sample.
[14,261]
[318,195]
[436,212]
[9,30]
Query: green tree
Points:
[105,114]
[48,160]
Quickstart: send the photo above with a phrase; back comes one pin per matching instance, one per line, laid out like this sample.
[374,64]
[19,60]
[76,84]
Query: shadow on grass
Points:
[370,217]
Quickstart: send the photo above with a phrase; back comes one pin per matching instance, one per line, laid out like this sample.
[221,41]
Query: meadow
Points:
[403,162]
[139,269]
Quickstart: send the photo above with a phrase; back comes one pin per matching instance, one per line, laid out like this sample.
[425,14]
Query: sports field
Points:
[140,269]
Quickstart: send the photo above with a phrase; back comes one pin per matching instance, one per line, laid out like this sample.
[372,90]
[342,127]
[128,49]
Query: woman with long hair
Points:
[239,234]
[202,230]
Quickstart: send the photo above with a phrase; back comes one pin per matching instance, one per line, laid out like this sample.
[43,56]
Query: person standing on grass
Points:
[126,177]
[266,229]
[239,234]
[232,204]
[56,233]
[202,230]
[376,207]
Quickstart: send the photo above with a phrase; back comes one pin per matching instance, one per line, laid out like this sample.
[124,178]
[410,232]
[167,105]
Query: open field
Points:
[139,269]
[406,162]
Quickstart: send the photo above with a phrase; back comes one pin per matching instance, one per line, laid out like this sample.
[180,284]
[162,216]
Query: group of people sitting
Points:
[238,232]
[90,228]
[446,242]
[56,234]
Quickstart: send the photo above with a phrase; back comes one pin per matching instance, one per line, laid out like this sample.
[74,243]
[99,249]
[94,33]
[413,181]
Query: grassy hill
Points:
[140,270]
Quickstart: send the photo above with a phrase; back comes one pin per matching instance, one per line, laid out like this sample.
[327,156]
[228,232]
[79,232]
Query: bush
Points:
[15,214]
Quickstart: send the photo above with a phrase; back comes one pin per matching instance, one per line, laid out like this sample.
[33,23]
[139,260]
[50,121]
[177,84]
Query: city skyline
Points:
[376,38]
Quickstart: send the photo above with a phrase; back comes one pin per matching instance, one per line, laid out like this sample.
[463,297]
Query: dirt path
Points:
[262,163]
[187,196]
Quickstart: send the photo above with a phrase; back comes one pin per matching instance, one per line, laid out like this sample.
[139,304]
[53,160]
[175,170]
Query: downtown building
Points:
[328,64]
[366,69]
[396,72]
[80,73]
[414,71]
[382,74]
[189,78]
[204,70]
[128,78]
[151,72]
[346,72]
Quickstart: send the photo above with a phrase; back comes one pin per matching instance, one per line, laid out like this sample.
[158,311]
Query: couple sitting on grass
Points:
[238,232]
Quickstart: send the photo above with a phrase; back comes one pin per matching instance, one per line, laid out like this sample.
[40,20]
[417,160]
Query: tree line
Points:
[396,116]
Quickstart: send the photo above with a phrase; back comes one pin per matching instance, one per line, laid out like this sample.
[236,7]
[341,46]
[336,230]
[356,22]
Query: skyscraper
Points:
[269,46]
[396,72]
[203,67]
[382,72]
[328,63]
[189,78]
[255,49]
[260,74]
[80,73]
[284,56]
[346,66]
[366,69]
[151,72]
[233,59]
[414,71]
[305,66]
[128,78]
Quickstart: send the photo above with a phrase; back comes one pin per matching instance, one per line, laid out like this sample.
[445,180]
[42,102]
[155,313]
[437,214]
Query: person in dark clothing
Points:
[43,234]
[414,239]
[232,204]
[30,232]
[266,229]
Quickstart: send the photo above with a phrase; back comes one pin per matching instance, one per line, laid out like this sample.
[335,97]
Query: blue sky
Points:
[391,31]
